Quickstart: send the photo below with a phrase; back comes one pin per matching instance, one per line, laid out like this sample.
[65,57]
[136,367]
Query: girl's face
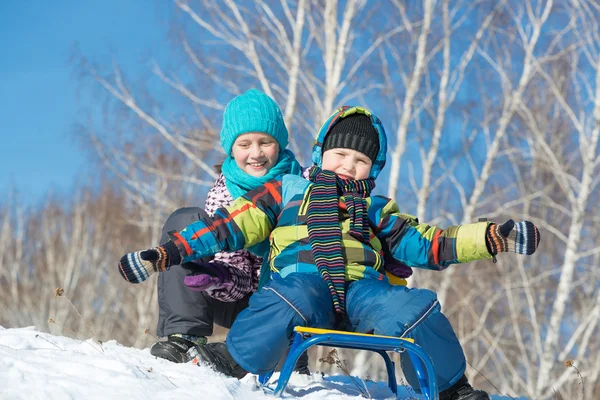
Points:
[255,153]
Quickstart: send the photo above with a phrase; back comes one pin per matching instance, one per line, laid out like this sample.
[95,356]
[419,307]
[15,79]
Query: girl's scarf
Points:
[238,182]
[324,230]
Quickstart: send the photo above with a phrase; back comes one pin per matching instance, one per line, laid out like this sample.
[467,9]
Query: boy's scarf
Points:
[238,182]
[324,229]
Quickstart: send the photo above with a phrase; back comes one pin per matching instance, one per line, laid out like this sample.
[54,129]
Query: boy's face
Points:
[347,163]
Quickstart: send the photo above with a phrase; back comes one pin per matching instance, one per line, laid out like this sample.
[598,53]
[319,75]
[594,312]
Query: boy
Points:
[327,239]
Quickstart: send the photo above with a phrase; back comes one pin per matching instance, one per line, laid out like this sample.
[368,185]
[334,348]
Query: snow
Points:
[38,365]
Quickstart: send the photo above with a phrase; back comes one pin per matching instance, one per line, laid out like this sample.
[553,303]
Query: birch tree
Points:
[579,186]
[74,245]
[491,109]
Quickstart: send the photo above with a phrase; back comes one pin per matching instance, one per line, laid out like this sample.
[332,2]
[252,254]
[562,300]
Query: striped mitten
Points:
[521,237]
[138,266]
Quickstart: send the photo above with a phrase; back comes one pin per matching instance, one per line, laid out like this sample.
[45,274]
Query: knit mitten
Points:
[137,267]
[521,237]
[207,276]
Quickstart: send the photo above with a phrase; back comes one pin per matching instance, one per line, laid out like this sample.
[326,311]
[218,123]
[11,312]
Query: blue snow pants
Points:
[262,332]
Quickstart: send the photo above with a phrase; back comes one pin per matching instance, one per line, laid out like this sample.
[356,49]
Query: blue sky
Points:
[39,96]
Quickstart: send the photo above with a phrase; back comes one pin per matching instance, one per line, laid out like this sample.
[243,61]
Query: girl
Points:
[254,137]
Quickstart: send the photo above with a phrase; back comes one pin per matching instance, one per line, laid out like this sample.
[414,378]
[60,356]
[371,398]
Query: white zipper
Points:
[286,300]
[420,319]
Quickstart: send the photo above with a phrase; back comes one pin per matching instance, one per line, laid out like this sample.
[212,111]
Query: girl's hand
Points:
[207,276]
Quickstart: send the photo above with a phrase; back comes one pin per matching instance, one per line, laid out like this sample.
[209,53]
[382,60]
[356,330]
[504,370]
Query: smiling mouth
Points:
[257,165]
[345,176]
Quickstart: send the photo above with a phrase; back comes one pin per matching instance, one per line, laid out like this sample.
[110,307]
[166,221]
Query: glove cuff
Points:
[495,242]
[173,257]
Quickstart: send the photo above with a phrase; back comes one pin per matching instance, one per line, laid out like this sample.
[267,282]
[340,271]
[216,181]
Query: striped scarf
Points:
[324,229]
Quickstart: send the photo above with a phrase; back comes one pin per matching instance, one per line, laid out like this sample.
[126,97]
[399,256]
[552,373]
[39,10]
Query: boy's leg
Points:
[217,353]
[384,309]
[261,334]
[225,315]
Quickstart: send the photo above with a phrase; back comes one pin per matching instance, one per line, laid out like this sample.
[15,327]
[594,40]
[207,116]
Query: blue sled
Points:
[307,337]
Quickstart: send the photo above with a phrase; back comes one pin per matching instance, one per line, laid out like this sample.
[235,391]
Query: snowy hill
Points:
[37,365]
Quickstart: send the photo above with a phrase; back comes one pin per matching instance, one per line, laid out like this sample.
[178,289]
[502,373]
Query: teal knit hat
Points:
[252,111]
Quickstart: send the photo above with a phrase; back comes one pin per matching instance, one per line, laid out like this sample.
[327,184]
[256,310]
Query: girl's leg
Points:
[225,313]
[181,311]
[378,307]
[185,316]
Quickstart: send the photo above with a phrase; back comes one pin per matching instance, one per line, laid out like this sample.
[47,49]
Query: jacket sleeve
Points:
[248,221]
[424,246]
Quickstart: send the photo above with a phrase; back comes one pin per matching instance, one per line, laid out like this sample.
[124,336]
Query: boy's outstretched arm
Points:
[423,246]
[248,221]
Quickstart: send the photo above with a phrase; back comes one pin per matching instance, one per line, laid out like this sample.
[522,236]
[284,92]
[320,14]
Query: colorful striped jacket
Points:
[243,265]
[277,211]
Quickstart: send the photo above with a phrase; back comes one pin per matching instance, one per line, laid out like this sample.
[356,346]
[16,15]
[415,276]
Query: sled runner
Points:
[307,337]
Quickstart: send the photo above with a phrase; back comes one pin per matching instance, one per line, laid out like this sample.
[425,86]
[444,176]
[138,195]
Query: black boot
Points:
[302,364]
[174,348]
[218,357]
[462,390]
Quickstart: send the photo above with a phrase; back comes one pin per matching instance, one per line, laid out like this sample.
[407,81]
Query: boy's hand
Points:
[397,268]
[521,237]
[207,276]
[137,267]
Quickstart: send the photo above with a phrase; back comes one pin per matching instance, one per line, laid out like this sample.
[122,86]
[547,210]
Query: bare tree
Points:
[74,245]
[493,109]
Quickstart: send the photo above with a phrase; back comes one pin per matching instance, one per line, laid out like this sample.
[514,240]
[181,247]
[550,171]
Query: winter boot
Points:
[302,364]
[176,346]
[462,390]
[217,356]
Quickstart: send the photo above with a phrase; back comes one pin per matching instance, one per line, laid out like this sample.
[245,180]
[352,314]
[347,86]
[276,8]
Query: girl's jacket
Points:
[277,211]
[243,265]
